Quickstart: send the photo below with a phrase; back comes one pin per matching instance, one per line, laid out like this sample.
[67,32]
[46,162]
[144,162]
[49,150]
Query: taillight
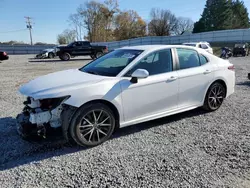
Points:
[4,53]
[232,68]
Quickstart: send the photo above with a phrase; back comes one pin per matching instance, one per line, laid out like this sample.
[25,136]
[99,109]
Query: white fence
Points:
[225,36]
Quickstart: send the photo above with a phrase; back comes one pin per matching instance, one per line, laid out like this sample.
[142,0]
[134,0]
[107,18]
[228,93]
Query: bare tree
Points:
[77,22]
[163,22]
[66,37]
[183,25]
[98,18]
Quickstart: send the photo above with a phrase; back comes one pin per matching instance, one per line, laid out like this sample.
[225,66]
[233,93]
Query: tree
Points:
[98,19]
[221,15]
[76,21]
[240,15]
[129,25]
[183,25]
[163,22]
[66,37]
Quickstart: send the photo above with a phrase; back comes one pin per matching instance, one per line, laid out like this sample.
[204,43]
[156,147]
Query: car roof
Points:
[149,48]
[201,42]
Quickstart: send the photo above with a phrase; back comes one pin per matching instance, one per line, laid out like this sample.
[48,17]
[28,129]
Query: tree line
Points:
[107,22]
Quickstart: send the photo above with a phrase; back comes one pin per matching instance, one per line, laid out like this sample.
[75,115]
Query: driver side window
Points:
[155,63]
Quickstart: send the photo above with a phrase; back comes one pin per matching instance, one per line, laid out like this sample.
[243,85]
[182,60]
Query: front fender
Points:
[109,91]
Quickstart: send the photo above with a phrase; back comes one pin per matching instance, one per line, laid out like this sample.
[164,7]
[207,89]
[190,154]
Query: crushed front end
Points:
[39,116]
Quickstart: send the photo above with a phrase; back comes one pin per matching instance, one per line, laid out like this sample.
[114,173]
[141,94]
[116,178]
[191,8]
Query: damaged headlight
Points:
[45,104]
[48,104]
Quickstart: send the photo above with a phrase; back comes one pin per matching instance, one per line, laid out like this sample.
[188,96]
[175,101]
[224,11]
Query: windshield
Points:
[239,45]
[112,63]
[71,44]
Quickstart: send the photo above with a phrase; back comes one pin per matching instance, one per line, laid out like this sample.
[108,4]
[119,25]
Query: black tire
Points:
[65,57]
[214,97]
[51,55]
[92,57]
[85,132]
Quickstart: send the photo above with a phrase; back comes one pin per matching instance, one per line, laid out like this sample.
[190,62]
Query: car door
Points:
[86,48]
[195,74]
[153,95]
[76,48]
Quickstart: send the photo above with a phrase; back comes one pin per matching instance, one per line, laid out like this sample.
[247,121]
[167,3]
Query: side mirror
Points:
[139,73]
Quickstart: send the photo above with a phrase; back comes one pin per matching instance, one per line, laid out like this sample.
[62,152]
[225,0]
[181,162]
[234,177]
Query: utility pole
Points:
[29,26]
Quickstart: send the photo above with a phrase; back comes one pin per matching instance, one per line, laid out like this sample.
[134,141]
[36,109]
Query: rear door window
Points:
[188,58]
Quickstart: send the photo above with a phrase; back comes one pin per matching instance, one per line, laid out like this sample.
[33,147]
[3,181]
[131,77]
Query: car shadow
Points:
[56,60]
[246,83]
[16,151]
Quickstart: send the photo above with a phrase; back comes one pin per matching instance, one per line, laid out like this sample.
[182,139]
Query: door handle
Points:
[207,72]
[172,78]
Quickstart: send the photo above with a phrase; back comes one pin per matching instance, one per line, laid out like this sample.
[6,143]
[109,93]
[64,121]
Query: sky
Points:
[50,17]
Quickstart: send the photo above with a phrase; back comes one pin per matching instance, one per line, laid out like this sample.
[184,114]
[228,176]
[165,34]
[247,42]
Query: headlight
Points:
[52,103]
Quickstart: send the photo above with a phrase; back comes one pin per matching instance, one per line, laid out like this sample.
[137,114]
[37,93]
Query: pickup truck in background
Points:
[80,48]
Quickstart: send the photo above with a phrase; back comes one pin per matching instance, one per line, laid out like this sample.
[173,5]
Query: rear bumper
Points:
[231,85]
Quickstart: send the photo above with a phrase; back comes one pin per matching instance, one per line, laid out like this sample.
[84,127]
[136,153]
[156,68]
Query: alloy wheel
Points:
[216,97]
[95,126]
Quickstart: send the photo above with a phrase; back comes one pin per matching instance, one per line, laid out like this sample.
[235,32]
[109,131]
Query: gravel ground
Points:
[192,149]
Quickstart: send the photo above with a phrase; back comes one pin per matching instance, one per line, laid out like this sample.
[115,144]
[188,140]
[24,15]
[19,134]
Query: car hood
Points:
[58,82]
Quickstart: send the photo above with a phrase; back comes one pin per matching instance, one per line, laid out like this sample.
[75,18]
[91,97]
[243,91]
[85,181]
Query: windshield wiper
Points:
[92,72]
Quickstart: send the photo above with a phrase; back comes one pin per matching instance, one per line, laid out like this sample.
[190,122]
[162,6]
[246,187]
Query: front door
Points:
[153,95]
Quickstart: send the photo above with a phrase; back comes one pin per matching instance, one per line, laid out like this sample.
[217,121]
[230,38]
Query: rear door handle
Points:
[172,78]
[207,72]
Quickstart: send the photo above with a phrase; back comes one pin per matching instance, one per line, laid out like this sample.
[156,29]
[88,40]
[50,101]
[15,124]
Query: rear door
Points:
[195,73]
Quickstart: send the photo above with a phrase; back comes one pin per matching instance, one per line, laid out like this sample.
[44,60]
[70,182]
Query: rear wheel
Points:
[214,97]
[92,125]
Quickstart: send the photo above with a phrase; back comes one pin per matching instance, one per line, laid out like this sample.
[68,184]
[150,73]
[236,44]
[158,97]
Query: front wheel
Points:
[92,125]
[99,54]
[65,57]
[214,97]
[51,55]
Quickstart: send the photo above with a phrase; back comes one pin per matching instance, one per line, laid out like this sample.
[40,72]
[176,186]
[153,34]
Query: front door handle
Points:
[172,78]
[207,72]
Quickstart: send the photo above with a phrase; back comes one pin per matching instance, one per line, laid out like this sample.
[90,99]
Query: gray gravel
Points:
[192,149]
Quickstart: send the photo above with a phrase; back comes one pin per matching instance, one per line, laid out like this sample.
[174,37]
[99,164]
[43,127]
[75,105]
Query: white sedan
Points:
[127,86]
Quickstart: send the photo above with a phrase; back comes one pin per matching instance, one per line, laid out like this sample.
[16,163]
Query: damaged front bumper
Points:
[38,116]
[41,56]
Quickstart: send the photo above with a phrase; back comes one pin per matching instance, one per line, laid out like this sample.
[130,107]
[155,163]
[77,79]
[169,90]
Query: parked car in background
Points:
[3,56]
[240,49]
[127,86]
[81,48]
[203,45]
[47,53]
